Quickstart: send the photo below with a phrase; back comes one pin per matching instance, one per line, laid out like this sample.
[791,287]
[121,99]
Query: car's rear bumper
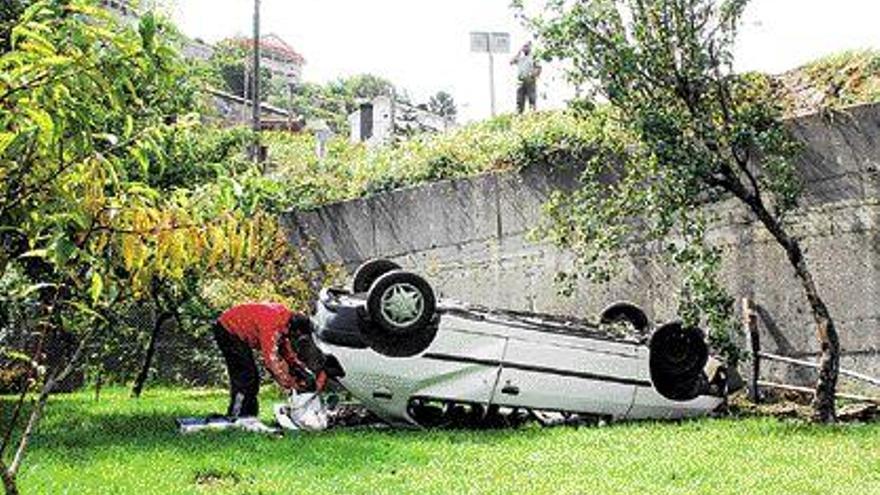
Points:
[339,320]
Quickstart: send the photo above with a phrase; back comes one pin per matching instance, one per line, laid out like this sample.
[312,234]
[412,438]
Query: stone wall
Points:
[469,236]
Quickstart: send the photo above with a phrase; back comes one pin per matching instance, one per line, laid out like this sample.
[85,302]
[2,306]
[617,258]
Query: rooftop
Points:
[273,45]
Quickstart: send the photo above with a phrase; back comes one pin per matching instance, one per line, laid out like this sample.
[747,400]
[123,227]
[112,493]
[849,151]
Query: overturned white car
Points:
[414,360]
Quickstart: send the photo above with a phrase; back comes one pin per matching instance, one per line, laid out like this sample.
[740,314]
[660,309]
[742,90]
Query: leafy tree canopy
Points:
[443,104]
[687,130]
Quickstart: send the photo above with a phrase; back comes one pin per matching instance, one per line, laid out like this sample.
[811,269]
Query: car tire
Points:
[625,312]
[369,272]
[678,355]
[401,308]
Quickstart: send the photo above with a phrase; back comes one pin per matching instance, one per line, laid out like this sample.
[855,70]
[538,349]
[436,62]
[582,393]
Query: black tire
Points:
[678,357]
[369,272]
[400,332]
[625,312]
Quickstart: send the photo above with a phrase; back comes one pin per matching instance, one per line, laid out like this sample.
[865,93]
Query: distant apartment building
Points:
[278,57]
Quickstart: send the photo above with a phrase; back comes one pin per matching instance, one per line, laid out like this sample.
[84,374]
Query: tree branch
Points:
[34,419]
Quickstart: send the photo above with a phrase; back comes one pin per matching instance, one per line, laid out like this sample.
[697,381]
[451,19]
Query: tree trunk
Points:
[10,472]
[148,357]
[829,360]
[99,382]
[9,485]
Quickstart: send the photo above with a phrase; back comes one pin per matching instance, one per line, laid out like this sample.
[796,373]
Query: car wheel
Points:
[369,271]
[678,356]
[625,312]
[401,307]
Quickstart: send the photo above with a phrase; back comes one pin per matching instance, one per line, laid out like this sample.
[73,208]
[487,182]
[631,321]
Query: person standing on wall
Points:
[527,73]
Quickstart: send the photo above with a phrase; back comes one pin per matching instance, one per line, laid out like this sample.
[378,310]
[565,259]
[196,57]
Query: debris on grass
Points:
[214,478]
[795,405]
[860,412]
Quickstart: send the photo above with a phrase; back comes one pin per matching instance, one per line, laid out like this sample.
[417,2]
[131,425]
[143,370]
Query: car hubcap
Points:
[402,304]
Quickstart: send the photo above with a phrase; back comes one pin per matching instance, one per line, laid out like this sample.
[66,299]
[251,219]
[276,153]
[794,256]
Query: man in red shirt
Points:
[284,339]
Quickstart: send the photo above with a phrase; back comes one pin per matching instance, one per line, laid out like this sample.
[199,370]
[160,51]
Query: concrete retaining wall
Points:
[469,237]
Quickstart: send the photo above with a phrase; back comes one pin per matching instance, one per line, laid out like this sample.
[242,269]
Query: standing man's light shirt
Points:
[525,66]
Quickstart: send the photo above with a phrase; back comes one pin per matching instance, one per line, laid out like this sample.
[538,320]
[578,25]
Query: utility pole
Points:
[245,88]
[255,78]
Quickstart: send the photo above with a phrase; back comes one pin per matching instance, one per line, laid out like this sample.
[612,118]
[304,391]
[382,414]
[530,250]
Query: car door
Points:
[564,373]
[462,364]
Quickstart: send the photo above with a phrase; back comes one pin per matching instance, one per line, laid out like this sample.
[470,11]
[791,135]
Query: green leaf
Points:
[63,250]
[43,121]
[129,126]
[140,155]
[35,253]
[14,355]
[5,139]
[87,310]
[96,287]
[147,29]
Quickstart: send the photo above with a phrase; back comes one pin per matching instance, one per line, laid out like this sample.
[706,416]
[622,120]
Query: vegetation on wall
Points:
[504,143]
[838,80]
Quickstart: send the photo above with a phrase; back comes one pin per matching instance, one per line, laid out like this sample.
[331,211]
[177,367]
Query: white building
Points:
[278,57]
[379,120]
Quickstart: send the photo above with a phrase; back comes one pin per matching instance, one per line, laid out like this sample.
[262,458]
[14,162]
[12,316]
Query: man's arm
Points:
[277,366]
[308,353]
[313,357]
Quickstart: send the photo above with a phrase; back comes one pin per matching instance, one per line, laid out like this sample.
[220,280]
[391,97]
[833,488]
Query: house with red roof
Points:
[277,56]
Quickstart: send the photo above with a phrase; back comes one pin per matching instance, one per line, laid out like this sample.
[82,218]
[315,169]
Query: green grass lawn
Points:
[120,445]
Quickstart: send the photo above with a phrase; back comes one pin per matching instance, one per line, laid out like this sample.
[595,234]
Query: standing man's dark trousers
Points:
[244,379]
[526,92]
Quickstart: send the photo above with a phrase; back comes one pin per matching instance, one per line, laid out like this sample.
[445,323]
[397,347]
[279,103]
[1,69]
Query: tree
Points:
[363,86]
[443,105]
[229,64]
[689,131]
[334,101]
[101,196]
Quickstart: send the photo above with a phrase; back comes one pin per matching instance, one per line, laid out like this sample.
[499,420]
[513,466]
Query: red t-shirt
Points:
[263,326]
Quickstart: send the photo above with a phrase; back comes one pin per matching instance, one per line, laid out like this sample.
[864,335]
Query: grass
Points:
[119,445]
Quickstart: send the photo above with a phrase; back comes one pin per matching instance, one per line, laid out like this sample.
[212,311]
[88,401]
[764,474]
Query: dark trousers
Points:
[526,92]
[244,378]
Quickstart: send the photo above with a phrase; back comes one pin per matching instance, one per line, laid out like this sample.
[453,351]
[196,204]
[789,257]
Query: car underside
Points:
[413,360]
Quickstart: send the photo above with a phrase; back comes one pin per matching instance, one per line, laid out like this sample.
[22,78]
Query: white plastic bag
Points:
[304,411]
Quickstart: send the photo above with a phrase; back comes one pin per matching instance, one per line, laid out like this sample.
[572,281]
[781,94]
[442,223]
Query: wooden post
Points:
[750,325]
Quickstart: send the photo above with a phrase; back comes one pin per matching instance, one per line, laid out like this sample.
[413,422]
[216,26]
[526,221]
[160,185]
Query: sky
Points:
[423,47]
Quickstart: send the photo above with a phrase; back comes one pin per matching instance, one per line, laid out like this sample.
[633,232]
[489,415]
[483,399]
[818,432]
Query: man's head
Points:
[527,48]
[299,324]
